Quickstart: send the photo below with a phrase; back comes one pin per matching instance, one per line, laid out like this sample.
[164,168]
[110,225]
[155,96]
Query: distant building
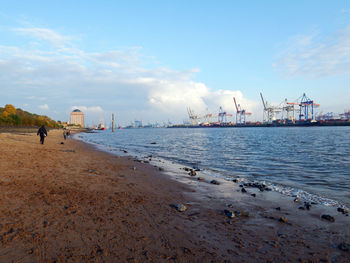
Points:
[77,117]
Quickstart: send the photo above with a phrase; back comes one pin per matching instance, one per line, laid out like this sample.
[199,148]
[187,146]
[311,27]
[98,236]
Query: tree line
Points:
[17,117]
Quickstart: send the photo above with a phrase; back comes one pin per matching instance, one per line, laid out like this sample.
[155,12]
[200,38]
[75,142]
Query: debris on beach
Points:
[344,246]
[153,143]
[200,178]
[229,213]
[192,173]
[179,207]
[283,219]
[214,182]
[328,218]
[133,168]
[278,208]
[230,205]
[296,199]
[307,205]
[342,210]
[253,195]
[243,190]
[161,169]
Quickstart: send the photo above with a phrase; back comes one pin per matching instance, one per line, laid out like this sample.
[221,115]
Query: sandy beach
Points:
[65,201]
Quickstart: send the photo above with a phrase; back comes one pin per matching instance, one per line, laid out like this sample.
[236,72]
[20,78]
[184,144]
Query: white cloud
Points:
[44,107]
[96,109]
[115,79]
[44,34]
[316,56]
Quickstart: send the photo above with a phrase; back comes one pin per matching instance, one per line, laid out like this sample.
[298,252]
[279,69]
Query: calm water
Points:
[312,162]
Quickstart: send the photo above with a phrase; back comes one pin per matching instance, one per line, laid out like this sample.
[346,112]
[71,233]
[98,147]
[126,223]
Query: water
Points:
[309,162]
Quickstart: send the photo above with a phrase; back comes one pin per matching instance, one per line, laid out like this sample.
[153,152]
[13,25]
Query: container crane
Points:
[193,117]
[240,113]
[306,107]
[222,116]
[270,111]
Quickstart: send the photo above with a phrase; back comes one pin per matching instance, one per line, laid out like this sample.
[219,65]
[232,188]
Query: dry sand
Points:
[71,203]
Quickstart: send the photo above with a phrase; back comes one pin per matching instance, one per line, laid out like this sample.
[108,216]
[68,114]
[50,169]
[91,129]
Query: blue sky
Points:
[150,60]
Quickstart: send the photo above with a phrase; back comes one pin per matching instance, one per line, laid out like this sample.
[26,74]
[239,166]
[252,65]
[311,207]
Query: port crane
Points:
[306,107]
[270,111]
[222,116]
[193,117]
[240,113]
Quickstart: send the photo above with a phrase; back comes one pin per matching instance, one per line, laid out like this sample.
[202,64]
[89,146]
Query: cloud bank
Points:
[99,83]
[316,56]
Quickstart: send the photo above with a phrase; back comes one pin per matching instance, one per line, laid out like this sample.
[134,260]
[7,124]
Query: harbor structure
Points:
[77,118]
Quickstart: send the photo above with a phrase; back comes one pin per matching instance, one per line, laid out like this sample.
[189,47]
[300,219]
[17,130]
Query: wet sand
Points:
[72,203]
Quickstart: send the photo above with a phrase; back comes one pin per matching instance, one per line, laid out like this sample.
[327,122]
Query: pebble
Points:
[133,168]
[342,210]
[283,219]
[307,205]
[230,205]
[200,178]
[180,207]
[328,218]
[344,246]
[243,190]
[192,173]
[296,199]
[278,208]
[229,214]
[214,182]
[253,195]
[161,169]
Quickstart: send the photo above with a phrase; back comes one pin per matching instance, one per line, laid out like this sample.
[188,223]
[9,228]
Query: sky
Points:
[151,60]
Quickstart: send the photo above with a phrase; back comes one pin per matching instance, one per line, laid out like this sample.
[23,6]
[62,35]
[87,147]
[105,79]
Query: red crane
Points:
[240,113]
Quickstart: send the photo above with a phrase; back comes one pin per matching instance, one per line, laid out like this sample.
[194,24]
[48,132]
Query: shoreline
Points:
[176,170]
[78,204]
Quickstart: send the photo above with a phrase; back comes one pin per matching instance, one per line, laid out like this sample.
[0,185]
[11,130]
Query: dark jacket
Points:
[42,131]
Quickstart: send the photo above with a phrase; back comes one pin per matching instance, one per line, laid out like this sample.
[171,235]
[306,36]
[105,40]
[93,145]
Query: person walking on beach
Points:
[43,133]
[65,133]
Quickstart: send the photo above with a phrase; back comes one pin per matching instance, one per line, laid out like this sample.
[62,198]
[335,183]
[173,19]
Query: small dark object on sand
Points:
[307,205]
[301,208]
[278,208]
[243,190]
[296,199]
[342,210]
[180,207]
[62,142]
[186,169]
[200,178]
[192,173]
[344,246]
[235,180]
[153,143]
[328,218]
[253,195]
[229,213]
[283,219]
[214,182]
